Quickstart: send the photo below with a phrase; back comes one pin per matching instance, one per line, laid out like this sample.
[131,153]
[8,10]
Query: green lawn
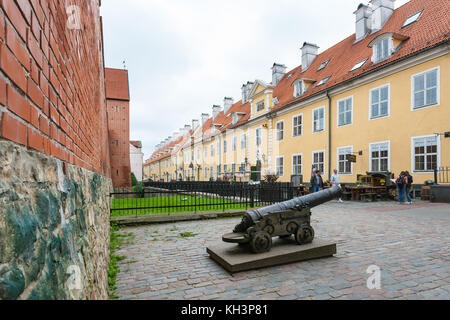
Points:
[162,205]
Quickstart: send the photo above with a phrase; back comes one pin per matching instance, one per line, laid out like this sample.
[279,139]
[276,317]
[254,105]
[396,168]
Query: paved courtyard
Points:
[410,244]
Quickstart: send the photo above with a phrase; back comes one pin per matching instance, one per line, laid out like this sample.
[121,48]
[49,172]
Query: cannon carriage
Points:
[283,220]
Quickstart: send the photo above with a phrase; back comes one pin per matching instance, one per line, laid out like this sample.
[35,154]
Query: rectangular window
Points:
[379,99]
[206,173]
[345,110]
[382,48]
[212,151]
[225,168]
[258,136]
[206,151]
[426,89]
[319,119]
[260,106]
[242,168]
[345,166]
[297,164]
[298,88]
[297,126]
[243,141]
[280,167]
[211,173]
[280,130]
[218,171]
[379,157]
[233,169]
[225,146]
[425,154]
[319,161]
[234,143]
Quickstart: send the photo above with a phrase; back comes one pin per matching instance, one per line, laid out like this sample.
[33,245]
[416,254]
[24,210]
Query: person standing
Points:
[400,182]
[316,182]
[409,182]
[336,181]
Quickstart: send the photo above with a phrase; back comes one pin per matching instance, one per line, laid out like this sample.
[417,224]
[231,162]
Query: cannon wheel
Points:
[261,242]
[304,234]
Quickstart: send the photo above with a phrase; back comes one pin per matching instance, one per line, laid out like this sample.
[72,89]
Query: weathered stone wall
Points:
[54,228]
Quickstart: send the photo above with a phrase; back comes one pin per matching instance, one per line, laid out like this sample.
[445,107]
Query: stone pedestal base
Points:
[235,258]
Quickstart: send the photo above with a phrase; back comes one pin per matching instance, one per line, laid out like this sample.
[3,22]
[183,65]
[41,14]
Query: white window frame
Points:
[263,103]
[301,125]
[388,85]
[324,117]
[438,93]
[234,144]
[277,166]
[256,137]
[278,130]
[324,159]
[413,154]
[390,42]
[243,141]
[212,150]
[389,154]
[301,165]
[337,111]
[338,161]
[225,146]
[299,88]
[233,169]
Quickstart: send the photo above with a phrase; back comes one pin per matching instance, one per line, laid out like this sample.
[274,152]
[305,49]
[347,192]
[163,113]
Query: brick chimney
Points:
[363,21]
[278,71]
[309,54]
[381,12]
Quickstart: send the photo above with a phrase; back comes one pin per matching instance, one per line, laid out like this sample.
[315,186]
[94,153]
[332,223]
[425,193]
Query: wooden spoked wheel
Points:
[261,242]
[304,235]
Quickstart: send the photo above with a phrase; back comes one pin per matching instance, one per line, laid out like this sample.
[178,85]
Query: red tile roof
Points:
[117,84]
[433,27]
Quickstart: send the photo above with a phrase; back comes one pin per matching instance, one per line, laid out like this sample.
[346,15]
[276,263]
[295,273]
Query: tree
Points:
[134,181]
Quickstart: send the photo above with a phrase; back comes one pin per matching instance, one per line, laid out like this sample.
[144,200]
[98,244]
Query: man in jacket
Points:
[316,182]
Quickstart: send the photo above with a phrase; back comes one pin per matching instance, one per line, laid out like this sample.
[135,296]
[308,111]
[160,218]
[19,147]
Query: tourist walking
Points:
[409,182]
[316,182]
[401,185]
[336,181]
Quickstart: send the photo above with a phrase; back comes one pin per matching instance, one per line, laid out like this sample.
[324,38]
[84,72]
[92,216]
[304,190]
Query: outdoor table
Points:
[358,191]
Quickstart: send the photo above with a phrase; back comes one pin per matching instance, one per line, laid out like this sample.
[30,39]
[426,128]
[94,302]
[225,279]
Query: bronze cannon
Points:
[292,217]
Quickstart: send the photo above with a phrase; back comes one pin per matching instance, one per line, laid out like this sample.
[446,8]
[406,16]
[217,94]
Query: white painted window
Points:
[235,118]
[297,126]
[212,150]
[345,111]
[225,146]
[211,172]
[280,130]
[359,65]
[280,166]
[323,65]
[323,81]
[345,166]
[379,157]
[206,173]
[233,169]
[234,144]
[412,19]
[298,88]
[382,49]
[319,119]
[218,148]
[258,137]
[243,141]
[425,88]
[379,102]
[319,161]
[225,168]
[425,153]
[260,106]
[218,171]
[297,164]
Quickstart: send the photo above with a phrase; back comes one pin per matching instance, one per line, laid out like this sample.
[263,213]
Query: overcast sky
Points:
[184,56]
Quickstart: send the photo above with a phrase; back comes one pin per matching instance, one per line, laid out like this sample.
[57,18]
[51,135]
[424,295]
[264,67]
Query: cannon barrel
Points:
[308,201]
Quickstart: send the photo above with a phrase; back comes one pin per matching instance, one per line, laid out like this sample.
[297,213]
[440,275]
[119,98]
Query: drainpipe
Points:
[329,134]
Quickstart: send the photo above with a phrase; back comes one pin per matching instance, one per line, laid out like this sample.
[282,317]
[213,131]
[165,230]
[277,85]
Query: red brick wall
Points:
[118,103]
[52,91]
[119,142]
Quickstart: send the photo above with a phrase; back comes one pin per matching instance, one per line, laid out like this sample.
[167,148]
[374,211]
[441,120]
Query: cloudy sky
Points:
[184,56]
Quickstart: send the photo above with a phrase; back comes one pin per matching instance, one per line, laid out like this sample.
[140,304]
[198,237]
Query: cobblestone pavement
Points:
[409,243]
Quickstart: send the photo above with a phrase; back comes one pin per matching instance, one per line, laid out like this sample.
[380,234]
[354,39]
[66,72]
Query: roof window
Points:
[412,19]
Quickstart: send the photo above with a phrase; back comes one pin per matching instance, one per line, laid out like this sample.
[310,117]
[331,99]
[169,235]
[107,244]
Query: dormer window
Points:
[412,19]
[359,65]
[299,88]
[260,106]
[323,81]
[235,118]
[382,50]
[323,65]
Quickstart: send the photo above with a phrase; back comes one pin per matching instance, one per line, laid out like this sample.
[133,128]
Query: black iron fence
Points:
[442,175]
[182,197]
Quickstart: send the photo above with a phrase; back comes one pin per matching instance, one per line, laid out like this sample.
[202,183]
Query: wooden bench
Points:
[369,197]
